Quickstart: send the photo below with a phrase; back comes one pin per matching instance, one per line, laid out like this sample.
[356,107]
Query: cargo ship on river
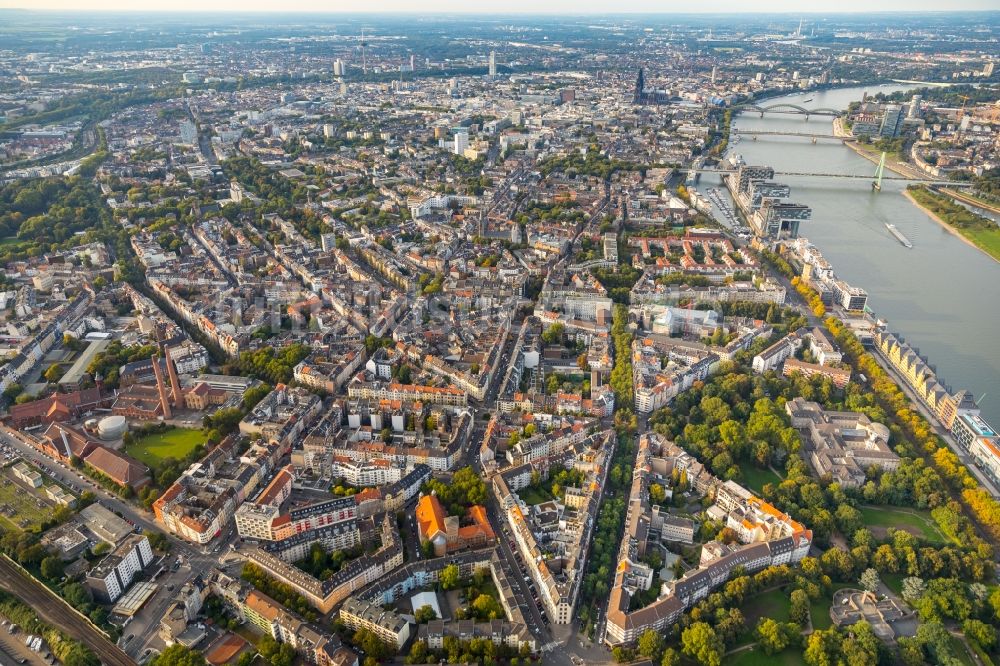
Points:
[898,234]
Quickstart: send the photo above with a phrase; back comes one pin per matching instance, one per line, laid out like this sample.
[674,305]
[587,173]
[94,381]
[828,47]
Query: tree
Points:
[486,607]
[553,333]
[980,632]
[424,614]
[798,610]
[54,373]
[849,519]
[771,635]
[822,648]
[449,577]
[370,643]
[178,655]
[670,658]
[284,657]
[650,643]
[936,640]
[52,568]
[913,588]
[13,391]
[837,563]
[76,595]
[870,580]
[700,642]
[101,548]
[419,653]
[861,646]
[267,646]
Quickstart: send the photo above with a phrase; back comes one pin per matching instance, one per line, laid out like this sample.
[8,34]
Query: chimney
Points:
[175,384]
[159,387]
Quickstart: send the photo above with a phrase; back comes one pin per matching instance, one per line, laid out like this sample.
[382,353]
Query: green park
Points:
[154,447]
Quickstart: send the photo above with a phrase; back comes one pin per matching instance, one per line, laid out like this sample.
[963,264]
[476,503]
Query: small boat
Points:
[898,235]
[807,100]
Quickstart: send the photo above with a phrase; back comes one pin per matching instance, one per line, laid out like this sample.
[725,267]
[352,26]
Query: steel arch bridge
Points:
[790,108]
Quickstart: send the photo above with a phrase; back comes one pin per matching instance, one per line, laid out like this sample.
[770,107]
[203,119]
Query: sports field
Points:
[915,521]
[175,443]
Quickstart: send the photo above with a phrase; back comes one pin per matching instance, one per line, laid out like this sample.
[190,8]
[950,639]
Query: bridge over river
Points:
[792,109]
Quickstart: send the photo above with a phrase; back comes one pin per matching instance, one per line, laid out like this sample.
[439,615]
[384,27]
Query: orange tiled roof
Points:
[430,516]
[263,605]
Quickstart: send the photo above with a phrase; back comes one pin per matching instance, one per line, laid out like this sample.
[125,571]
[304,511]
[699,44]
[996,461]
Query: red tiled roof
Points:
[122,468]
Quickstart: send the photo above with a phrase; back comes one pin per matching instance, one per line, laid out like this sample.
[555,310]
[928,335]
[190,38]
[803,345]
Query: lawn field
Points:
[915,521]
[985,239]
[175,443]
[755,478]
[894,582]
[773,604]
[533,496]
[19,509]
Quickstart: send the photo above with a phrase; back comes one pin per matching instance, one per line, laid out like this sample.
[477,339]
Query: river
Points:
[942,296]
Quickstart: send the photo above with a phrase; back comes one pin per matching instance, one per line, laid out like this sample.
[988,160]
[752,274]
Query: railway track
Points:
[57,613]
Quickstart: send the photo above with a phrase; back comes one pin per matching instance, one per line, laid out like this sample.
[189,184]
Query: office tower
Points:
[914,110]
[892,121]
[461,142]
[189,133]
[715,71]
[988,69]
[493,63]
[413,63]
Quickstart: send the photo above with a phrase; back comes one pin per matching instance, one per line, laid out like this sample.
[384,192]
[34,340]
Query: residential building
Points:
[111,577]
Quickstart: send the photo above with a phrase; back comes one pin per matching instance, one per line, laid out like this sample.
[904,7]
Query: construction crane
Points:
[965,100]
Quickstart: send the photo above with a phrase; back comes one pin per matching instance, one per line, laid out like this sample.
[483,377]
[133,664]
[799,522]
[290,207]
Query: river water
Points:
[942,296]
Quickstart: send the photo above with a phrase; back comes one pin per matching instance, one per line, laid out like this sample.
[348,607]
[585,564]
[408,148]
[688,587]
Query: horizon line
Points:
[389,12]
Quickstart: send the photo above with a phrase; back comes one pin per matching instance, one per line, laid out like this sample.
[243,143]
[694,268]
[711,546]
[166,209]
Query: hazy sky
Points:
[506,6]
